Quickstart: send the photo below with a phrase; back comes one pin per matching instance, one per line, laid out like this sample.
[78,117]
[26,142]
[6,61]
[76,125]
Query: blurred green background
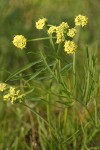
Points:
[18,17]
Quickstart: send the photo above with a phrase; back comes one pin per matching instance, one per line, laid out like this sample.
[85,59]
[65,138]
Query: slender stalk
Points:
[74,85]
[74,61]
[87,87]
[65,119]
[46,64]
[95,112]
[48,110]
[59,46]
[40,39]
[74,74]
[52,42]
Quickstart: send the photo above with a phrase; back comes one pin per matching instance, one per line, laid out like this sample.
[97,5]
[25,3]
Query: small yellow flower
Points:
[41,23]
[13,95]
[81,20]
[51,30]
[61,30]
[12,90]
[70,47]
[72,32]
[60,38]
[6,97]
[64,26]
[19,41]
[2,87]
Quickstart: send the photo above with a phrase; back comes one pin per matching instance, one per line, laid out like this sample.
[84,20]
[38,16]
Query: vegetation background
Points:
[18,17]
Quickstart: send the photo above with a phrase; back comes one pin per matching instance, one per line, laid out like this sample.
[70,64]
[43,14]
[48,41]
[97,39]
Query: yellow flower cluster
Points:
[13,95]
[51,30]
[60,31]
[41,23]
[2,87]
[70,47]
[19,41]
[72,32]
[81,20]
[10,93]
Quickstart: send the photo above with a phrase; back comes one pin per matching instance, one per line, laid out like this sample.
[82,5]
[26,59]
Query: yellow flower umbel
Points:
[70,47]
[81,20]
[13,95]
[2,87]
[61,30]
[19,41]
[41,23]
[52,30]
[72,32]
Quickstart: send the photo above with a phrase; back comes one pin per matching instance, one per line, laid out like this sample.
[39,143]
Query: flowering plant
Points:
[57,85]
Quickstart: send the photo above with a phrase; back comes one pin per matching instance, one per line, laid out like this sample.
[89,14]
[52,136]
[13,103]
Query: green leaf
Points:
[23,69]
[68,104]
[66,68]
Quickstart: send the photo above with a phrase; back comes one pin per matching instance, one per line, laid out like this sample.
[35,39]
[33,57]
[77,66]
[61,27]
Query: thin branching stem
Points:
[40,39]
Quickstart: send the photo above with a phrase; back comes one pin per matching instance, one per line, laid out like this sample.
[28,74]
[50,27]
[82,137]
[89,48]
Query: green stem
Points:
[87,87]
[49,69]
[95,112]
[51,41]
[40,39]
[74,61]
[65,119]
[48,110]
[74,73]
[59,46]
